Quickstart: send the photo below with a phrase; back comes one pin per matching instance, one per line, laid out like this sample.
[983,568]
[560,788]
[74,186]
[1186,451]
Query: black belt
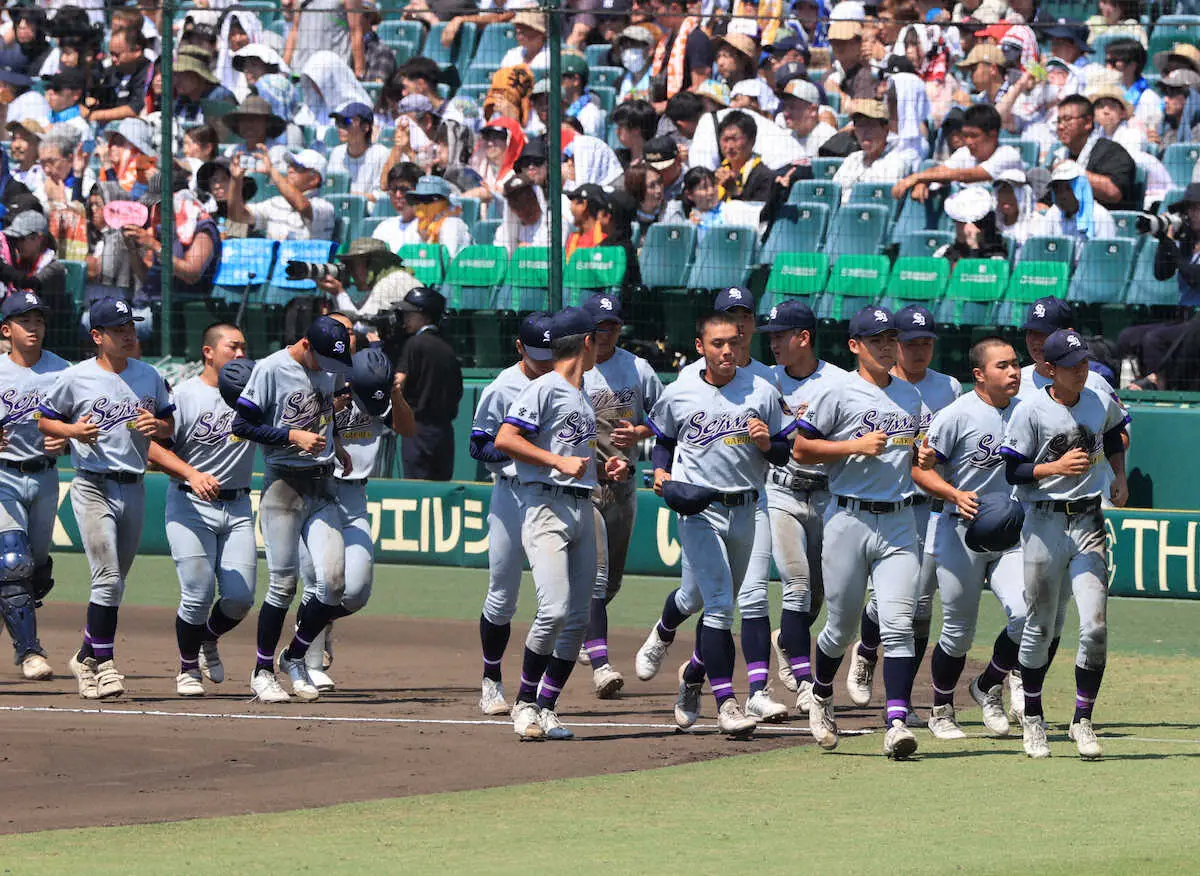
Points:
[222,496]
[919,499]
[117,477]
[937,505]
[735,500]
[573,492]
[1090,505]
[873,507]
[31,466]
[354,482]
[316,472]
[799,483]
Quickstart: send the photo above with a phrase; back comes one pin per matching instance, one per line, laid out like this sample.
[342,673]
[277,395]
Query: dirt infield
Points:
[409,724]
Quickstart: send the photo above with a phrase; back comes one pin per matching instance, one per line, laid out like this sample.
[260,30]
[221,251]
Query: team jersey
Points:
[796,395]
[937,390]
[1043,430]
[1031,380]
[558,417]
[204,436]
[708,424]
[855,407]
[622,387]
[494,403]
[360,435]
[287,395]
[114,402]
[758,369]
[20,397]
[967,436]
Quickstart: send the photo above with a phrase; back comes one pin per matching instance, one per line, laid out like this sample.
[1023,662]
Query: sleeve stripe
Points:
[481,433]
[1014,454]
[657,431]
[786,431]
[521,424]
[808,428]
[162,412]
[46,411]
[941,456]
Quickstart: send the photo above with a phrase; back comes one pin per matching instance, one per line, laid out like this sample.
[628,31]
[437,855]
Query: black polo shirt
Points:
[433,385]
[1110,159]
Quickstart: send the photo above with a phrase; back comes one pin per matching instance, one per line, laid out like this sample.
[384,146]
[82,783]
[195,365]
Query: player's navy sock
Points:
[1004,658]
[494,639]
[796,640]
[554,679]
[311,619]
[671,618]
[270,628]
[946,671]
[85,648]
[719,653]
[756,648]
[868,649]
[101,630]
[1087,687]
[693,672]
[897,685]
[189,637]
[1032,679]
[533,667]
[219,623]
[920,646]
[596,640]
[824,670]
[1053,649]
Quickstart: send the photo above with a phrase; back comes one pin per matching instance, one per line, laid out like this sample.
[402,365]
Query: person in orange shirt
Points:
[587,203]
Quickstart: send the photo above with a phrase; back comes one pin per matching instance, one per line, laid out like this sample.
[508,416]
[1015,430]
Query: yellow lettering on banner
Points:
[60,537]
[473,520]
[1139,527]
[1166,551]
[668,548]
[425,525]
[375,510]
[442,543]
[399,507]
[259,542]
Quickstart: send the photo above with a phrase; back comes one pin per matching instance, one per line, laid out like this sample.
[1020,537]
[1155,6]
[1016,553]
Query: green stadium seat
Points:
[427,262]
[666,255]
[369,225]
[916,216]
[1126,221]
[266,188]
[527,283]
[1180,160]
[723,257]
[1048,249]
[468,209]
[797,228]
[857,230]
[595,269]
[473,276]
[477,75]
[1030,152]
[351,210]
[975,286]
[817,191]
[484,231]
[872,193]
[609,77]
[922,243]
[335,183]
[497,39]
[1146,291]
[1102,272]
[855,281]
[825,168]
[916,280]
[598,55]
[607,95]
[456,55]
[280,290]
[77,281]
[1172,29]
[383,208]
[1029,282]
[795,275]
[396,29]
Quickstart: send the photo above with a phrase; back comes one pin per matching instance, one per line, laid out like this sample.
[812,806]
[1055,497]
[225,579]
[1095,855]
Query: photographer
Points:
[296,213]
[1158,346]
[380,283]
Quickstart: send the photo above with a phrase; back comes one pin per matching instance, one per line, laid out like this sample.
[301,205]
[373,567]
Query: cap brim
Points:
[879,331]
[404,305]
[916,334]
[1072,359]
[332,365]
[44,308]
[539,354]
[125,321]
[661,165]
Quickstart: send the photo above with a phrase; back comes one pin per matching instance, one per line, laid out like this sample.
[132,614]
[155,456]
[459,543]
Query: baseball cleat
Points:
[314,661]
[785,663]
[687,703]
[302,685]
[942,724]
[650,656]
[1084,736]
[552,728]
[732,721]
[859,677]
[526,721]
[761,707]
[804,696]
[1033,736]
[899,742]
[584,659]
[321,680]
[491,700]
[210,662]
[991,701]
[109,682]
[911,718]
[267,688]
[608,682]
[85,673]
[188,684]
[1016,697]
[36,667]
[820,721]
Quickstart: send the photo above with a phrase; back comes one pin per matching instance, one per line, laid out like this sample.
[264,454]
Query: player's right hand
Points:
[572,466]
[54,446]
[205,486]
[309,442]
[661,476]
[968,504]
[872,444]
[1074,462]
[85,430]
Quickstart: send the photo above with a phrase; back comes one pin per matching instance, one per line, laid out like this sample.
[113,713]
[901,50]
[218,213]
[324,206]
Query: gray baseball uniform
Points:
[1032,381]
[212,543]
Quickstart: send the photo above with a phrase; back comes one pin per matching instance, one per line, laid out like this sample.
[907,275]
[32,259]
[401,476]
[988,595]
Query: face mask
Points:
[633,60]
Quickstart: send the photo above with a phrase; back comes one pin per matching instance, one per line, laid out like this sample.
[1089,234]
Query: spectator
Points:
[380,59]
[645,186]
[62,188]
[29,30]
[741,175]
[809,20]
[533,164]
[238,31]
[683,115]
[801,113]
[453,146]
[683,58]
[715,97]
[333,28]
[1181,108]
[975,233]
[530,50]
[986,66]
[27,258]
[588,160]
[701,203]
[1068,42]
[588,201]
[438,221]
[508,95]
[129,157]
[26,138]
[874,161]
[636,124]
[355,154]
[663,158]
[429,374]
[401,229]
[616,223]
[200,145]
[368,261]
[109,262]
[284,100]
[328,84]
[122,94]
[852,76]
[17,100]
[908,104]
[982,159]
[297,212]
[1112,111]
[249,65]
[1015,206]
[213,181]
[1110,171]
[194,82]
[526,221]
[578,101]
[1117,17]
[635,47]
[257,125]
[64,93]
[500,144]
[737,58]
[754,95]
[415,123]
[1128,59]
[1074,212]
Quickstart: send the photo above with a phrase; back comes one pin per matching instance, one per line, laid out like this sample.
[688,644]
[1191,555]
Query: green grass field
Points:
[975,806]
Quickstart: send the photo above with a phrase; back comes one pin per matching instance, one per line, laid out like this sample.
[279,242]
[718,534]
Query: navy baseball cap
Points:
[734,296]
[535,335]
[1066,348]
[871,321]
[595,196]
[111,313]
[914,321]
[371,380]
[571,321]
[997,523]
[330,343]
[789,316]
[354,110]
[21,302]
[603,307]
[232,379]
[1047,315]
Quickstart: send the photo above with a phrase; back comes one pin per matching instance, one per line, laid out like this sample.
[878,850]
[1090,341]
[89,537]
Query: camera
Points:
[297,270]
[247,162]
[1159,223]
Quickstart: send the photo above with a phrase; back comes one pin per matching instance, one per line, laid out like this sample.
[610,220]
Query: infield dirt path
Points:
[82,768]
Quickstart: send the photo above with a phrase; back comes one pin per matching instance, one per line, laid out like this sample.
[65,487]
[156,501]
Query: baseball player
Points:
[110,407]
[797,496]
[287,407]
[622,388]
[716,434]
[738,303]
[865,428]
[550,432]
[28,479]
[967,435]
[917,334]
[1053,447]
[504,513]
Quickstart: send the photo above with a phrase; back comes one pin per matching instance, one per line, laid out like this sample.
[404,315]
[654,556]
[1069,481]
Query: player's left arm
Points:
[203,485]
[158,424]
[1116,439]
[404,423]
